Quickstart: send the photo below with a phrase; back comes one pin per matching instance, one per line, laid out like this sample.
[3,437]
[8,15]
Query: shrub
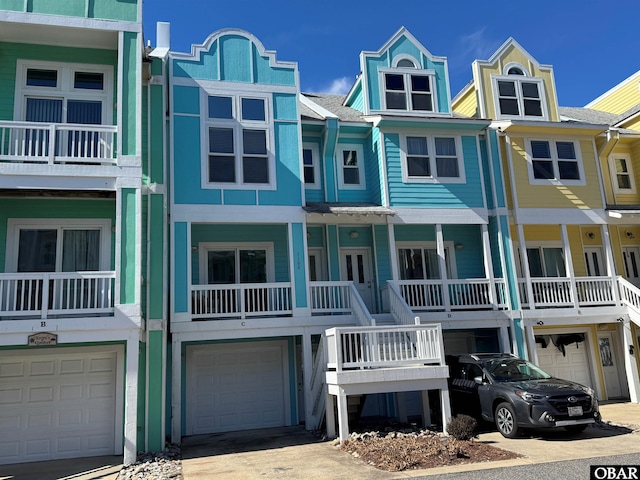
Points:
[463,427]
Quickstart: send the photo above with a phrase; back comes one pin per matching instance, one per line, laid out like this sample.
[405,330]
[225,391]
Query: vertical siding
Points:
[372,155]
[235,59]
[333,253]
[372,66]
[181,284]
[299,265]
[496,254]
[486,170]
[126,11]
[130,82]
[129,248]
[156,135]
[156,256]
[288,177]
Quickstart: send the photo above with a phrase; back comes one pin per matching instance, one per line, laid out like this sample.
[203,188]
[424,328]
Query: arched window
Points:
[405,63]
[515,71]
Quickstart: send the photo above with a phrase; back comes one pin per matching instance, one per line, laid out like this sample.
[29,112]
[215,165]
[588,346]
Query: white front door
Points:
[593,262]
[631,259]
[356,269]
[609,365]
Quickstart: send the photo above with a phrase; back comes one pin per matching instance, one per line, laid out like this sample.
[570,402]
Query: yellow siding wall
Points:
[633,124]
[515,55]
[619,239]
[621,99]
[556,196]
[609,177]
[467,104]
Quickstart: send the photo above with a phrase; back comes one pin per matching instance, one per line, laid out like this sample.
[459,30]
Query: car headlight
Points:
[529,397]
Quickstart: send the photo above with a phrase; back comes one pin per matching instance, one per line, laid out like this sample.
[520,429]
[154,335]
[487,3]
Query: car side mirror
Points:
[478,380]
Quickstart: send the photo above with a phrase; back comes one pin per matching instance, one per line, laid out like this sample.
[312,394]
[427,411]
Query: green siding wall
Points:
[154,411]
[299,265]
[130,87]
[128,252]
[155,281]
[156,135]
[123,10]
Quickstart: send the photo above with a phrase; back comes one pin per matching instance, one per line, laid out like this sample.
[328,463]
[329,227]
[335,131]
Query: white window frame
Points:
[14,225]
[315,164]
[340,166]
[518,80]
[205,247]
[554,159]
[431,148]
[449,246]
[321,263]
[237,124]
[64,89]
[540,245]
[406,73]
[614,173]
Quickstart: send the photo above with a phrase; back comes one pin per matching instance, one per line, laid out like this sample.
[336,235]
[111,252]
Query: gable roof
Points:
[333,104]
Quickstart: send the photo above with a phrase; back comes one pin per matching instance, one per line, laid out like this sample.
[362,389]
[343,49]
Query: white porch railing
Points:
[44,294]
[28,142]
[241,300]
[453,294]
[557,292]
[377,347]
[339,297]
[629,294]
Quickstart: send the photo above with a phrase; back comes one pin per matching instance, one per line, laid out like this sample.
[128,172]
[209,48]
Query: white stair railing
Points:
[400,310]
[359,309]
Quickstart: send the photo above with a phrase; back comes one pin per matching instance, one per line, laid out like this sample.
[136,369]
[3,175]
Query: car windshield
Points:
[507,370]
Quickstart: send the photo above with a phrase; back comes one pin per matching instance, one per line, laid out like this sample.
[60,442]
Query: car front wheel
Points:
[506,420]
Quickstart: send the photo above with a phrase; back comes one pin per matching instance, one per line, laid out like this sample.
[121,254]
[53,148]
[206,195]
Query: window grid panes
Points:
[350,167]
[519,97]
[432,158]
[623,173]
[238,140]
[408,91]
[309,167]
[554,160]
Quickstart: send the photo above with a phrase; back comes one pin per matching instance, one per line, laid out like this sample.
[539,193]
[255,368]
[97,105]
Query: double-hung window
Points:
[556,161]
[622,173]
[239,140]
[429,159]
[310,165]
[518,95]
[236,263]
[546,261]
[351,175]
[421,262]
[408,90]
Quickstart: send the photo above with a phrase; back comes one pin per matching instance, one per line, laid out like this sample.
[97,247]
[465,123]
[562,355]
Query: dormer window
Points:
[407,87]
[518,95]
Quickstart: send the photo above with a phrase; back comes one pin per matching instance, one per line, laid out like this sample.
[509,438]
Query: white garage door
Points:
[572,366]
[236,386]
[58,403]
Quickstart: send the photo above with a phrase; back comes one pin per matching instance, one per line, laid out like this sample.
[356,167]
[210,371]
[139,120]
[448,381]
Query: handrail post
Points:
[52,143]
[44,308]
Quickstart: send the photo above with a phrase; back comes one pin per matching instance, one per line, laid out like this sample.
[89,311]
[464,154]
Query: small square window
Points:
[220,107]
[88,81]
[309,168]
[253,109]
[42,78]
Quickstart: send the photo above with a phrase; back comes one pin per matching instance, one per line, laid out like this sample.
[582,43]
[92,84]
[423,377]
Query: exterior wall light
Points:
[590,235]
[354,234]
[629,234]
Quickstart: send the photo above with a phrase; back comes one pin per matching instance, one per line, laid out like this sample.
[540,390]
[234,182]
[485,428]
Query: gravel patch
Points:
[166,465]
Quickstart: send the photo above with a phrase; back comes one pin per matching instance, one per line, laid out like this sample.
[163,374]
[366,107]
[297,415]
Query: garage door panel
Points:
[236,387]
[573,365]
[62,406]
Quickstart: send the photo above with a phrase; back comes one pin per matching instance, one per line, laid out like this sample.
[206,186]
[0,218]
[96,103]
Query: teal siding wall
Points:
[434,195]
[365,238]
[180,249]
[124,10]
[486,171]
[233,233]
[53,208]
[495,247]
[316,238]
[11,52]
[186,100]
[353,195]
[497,169]
[235,55]
[330,161]
[375,182]
[383,259]
[288,178]
[356,100]
[299,265]
[373,80]
[333,254]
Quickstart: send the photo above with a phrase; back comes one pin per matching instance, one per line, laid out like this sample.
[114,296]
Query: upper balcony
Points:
[568,292]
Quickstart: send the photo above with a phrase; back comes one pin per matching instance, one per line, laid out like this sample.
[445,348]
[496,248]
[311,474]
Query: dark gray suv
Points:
[515,394]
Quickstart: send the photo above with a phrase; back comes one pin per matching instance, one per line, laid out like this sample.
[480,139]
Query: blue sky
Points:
[592,45]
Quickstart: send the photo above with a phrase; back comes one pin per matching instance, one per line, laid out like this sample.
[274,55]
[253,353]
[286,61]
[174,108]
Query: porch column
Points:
[395,270]
[488,266]
[176,391]
[631,367]
[569,263]
[446,407]
[531,344]
[131,399]
[343,415]
[307,365]
[611,266]
[505,340]
[298,261]
[525,267]
[426,409]
[443,267]
[330,419]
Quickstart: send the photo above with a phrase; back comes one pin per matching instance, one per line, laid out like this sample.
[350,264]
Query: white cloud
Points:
[339,86]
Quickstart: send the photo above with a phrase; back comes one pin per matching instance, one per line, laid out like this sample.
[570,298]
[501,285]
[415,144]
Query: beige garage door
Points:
[573,365]
[237,386]
[59,403]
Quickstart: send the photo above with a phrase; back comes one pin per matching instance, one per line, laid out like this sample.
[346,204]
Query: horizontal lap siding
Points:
[434,195]
[229,234]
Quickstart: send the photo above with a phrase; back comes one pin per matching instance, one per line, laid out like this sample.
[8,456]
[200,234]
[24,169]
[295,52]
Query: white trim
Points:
[14,225]
[320,264]
[236,214]
[554,160]
[431,156]
[551,216]
[205,247]
[518,80]
[614,173]
[238,125]
[64,88]
[407,73]
[417,64]
[339,162]
[315,164]
[68,21]
[445,216]
[510,65]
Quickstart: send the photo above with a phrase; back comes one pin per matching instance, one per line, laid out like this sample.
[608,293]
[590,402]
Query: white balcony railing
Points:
[46,294]
[241,300]
[558,292]
[454,294]
[384,347]
[339,298]
[54,143]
